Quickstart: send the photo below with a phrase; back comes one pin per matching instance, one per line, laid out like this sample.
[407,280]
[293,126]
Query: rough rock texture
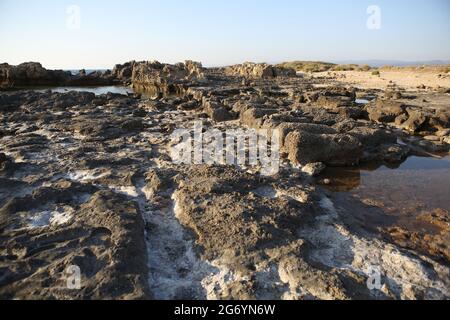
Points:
[165,78]
[259,70]
[416,120]
[124,72]
[89,180]
[33,74]
[386,110]
[332,149]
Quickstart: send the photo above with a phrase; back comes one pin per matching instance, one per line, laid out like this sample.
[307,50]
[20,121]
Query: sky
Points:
[100,33]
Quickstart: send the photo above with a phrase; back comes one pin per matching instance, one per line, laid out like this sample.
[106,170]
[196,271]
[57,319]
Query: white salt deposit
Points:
[86,175]
[60,216]
[336,247]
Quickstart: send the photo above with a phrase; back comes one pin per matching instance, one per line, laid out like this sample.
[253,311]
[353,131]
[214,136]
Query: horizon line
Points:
[390,62]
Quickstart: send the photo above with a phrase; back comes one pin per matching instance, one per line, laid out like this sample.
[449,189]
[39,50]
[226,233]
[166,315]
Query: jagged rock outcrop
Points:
[165,78]
[124,72]
[34,74]
[30,74]
[417,119]
[259,70]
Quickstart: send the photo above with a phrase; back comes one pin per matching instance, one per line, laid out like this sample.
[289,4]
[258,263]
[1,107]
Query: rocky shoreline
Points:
[89,181]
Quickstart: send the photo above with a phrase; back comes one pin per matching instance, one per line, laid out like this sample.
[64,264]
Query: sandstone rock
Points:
[345,126]
[95,175]
[390,153]
[298,274]
[216,111]
[104,239]
[285,128]
[274,120]
[441,119]
[333,102]
[417,119]
[259,70]
[30,74]
[124,72]
[371,137]
[33,74]
[354,113]
[386,111]
[165,78]
[254,117]
[332,149]
[401,119]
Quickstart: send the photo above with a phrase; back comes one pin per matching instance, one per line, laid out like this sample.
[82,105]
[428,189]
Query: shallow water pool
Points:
[96,90]
[419,185]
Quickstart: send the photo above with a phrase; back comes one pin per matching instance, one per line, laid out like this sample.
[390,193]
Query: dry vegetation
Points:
[319,66]
[424,68]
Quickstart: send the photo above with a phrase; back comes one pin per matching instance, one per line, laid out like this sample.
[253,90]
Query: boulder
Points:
[391,153]
[354,113]
[332,149]
[333,102]
[216,111]
[441,119]
[345,126]
[31,74]
[385,111]
[288,127]
[254,117]
[417,119]
[372,137]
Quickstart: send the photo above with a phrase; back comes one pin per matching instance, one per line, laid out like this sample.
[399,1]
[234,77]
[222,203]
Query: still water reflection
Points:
[417,185]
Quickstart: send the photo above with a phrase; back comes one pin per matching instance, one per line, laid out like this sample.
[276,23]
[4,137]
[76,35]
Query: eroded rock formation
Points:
[88,180]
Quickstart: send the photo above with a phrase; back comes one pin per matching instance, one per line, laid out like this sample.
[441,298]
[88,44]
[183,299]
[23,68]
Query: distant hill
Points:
[394,63]
[308,66]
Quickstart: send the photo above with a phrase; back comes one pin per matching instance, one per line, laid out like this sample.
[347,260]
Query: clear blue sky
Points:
[220,32]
